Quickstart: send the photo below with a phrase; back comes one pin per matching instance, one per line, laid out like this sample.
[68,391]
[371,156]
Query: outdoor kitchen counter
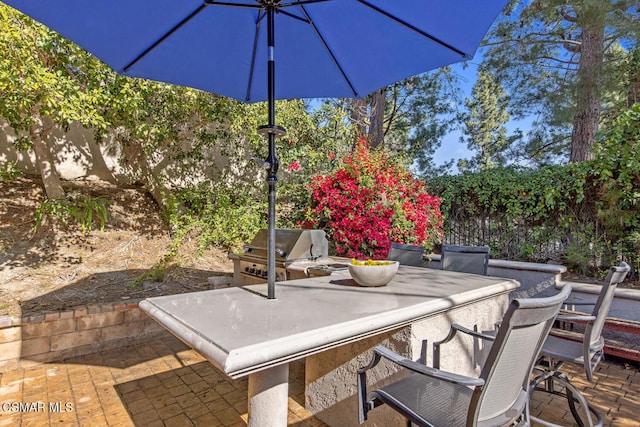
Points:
[243,333]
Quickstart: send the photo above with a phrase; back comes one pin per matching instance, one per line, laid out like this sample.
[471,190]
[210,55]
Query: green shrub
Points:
[82,210]
[219,217]
[157,273]
[584,215]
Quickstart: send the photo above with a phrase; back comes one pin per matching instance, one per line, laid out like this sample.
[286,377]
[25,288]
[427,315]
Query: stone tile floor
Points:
[163,383]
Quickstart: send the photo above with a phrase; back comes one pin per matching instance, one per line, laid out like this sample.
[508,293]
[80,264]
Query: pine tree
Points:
[555,58]
[484,122]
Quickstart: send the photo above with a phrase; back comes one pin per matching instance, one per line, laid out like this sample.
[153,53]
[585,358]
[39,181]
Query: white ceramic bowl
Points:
[373,275]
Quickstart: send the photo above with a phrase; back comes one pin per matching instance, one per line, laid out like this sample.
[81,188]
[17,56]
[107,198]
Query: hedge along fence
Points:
[585,215]
[527,215]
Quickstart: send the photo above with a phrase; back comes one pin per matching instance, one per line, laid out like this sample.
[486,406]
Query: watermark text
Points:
[36,406]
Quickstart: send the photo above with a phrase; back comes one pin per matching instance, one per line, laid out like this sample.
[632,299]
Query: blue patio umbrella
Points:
[326,48]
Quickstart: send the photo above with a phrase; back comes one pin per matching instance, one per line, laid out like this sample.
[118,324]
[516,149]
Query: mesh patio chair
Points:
[465,259]
[498,397]
[558,350]
[406,254]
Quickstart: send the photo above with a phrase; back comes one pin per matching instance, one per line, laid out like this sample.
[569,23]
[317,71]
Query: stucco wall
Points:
[76,153]
[78,156]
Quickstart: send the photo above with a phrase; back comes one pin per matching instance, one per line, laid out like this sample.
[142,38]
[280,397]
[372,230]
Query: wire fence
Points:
[577,242]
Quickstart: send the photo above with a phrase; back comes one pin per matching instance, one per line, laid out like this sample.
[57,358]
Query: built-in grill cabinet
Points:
[292,246]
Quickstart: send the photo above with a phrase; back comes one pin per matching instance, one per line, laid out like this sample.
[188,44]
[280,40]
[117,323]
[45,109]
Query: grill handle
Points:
[279,251]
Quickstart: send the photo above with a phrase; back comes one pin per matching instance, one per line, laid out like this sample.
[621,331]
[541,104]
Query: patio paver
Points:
[163,383]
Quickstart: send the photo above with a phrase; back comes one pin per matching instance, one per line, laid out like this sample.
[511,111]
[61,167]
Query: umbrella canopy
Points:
[325,48]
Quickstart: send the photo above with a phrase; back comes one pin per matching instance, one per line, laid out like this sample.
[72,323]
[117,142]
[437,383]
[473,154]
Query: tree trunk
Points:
[134,155]
[376,129]
[587,116]
[359,116]
[39,133]
[633,91]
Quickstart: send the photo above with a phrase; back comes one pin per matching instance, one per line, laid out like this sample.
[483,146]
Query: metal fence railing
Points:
[508,241]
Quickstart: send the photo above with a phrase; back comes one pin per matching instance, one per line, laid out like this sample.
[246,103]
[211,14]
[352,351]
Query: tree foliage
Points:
[617,169]
[588,212]
[408,118]
[45,81]
[557,59]
[484,122]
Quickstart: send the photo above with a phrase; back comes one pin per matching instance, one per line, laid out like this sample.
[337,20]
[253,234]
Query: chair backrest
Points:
[593,331]
[506,372]
[465,259]
[406,254]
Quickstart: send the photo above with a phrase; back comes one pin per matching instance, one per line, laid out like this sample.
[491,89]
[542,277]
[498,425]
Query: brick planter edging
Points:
[54,336]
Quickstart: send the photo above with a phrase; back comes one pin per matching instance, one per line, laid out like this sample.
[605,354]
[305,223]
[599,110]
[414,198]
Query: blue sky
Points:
[451,147]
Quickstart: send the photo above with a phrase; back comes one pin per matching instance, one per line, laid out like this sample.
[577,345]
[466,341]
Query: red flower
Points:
[370,202]
[294,166]
[332,156]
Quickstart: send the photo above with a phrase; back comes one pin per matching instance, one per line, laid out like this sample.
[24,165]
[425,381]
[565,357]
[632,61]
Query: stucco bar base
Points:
[331,390]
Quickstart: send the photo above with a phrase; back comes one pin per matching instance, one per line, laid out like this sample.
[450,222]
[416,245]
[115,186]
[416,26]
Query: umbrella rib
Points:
[164,37]
[414,28]
[261,15]
[181,24]
[291,15]
[333,57]
[222,3]
[301,3]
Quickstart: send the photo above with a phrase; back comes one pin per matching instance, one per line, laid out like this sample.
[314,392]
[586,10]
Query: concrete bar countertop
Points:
[242,332]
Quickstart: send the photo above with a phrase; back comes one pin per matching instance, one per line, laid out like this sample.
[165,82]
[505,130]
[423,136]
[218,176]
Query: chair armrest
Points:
[452,333]
[571,305]
[575,317]
[425,370]
[472,333]
[570,302]
[455,328]
[364,405]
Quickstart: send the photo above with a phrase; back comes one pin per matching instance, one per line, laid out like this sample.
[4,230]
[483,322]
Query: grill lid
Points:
[291,245]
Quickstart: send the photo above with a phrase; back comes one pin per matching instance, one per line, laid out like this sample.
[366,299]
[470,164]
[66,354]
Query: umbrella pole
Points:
[272,161]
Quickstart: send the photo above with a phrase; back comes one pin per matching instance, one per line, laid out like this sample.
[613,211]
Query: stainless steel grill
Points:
[293,247]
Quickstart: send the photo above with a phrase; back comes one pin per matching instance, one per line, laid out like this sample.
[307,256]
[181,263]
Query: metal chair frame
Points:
[465,259]
[406,254]
[498,397]
[556,351]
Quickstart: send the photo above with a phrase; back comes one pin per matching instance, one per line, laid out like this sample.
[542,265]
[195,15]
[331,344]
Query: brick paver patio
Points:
[163,383]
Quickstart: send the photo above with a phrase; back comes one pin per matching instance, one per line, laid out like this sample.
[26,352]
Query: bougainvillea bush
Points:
[370,202]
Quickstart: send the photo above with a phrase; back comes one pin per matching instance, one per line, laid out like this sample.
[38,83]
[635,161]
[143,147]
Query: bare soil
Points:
[57,267]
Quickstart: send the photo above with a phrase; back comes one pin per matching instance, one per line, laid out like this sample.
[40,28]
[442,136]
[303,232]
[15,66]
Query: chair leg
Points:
[573,396]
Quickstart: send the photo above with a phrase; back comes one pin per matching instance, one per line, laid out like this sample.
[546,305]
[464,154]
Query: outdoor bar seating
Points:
[499,396]
[558,350]
[465,259]
[406,254]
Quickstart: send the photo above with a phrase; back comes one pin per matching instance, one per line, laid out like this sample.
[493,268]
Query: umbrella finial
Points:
[270,3]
